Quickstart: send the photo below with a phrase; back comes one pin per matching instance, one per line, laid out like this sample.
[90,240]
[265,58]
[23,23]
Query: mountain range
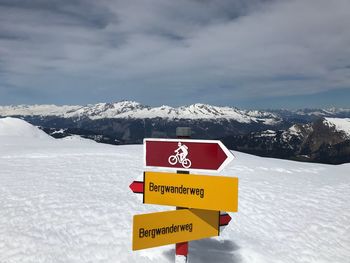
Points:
[135,110]
[325,140]
[132,109]
[306,134]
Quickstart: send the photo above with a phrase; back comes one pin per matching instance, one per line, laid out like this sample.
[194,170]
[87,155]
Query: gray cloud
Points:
[74,12]
[173,52]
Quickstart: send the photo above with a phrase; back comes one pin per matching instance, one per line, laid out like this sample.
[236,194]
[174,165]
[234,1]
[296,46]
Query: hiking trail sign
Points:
[218,193]
[186,154]
[169,227]
[200,197]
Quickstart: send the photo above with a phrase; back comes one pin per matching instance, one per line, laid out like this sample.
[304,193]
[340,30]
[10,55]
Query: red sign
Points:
[183,154]
[224,219]
[137,187]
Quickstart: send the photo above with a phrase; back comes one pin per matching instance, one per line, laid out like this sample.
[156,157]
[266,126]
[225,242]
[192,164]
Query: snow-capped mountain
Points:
[37,110]
[308,115]
[129,121]
[324,112]
[340,125]
[324,140]
[135,110]
[301,135]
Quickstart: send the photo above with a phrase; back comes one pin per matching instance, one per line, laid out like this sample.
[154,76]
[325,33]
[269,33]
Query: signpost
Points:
[224,219]
[217,193]
[163,228]
[137,188]
[205,195]
[185,154]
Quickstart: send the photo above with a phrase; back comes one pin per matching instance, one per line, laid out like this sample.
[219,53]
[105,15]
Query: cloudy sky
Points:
[244,53]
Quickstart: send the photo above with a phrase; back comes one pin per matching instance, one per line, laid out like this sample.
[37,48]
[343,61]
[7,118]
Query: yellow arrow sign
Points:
[163,228]
[217,193]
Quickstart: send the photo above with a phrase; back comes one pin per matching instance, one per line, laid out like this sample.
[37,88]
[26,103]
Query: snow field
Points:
[69,201]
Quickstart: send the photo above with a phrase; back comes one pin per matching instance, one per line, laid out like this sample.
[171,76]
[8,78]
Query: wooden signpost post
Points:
[205,195]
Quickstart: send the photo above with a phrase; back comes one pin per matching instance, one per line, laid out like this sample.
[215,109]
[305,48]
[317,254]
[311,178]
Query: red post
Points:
[181,249]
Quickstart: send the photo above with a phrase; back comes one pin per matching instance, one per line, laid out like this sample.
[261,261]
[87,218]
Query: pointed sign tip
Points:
[202,155]
[136,187]
[225,219]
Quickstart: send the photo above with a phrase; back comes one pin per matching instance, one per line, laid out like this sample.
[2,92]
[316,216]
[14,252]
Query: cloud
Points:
[174,52]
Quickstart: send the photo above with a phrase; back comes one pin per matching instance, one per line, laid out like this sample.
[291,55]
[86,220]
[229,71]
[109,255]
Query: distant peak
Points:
[127,102]
[340,124]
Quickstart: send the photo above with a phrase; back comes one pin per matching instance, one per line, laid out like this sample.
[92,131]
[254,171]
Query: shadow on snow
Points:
[209,250]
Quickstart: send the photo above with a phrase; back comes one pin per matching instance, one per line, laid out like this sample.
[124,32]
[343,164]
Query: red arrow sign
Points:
[182,154]
[224,219]
[137,187]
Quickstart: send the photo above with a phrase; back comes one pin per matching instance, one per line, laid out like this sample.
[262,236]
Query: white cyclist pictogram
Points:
[180,156]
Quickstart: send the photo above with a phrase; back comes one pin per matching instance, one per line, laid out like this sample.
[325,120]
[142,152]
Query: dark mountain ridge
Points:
[299,135]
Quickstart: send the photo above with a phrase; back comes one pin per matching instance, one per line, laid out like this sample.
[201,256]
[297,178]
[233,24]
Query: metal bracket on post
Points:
[181,249]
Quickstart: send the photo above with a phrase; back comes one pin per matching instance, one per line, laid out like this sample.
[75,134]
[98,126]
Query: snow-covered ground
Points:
[69,201]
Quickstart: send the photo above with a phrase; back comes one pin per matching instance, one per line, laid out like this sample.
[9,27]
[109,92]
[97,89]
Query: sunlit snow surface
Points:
[69,201]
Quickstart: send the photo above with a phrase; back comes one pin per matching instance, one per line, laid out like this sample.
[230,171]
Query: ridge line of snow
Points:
[135,110]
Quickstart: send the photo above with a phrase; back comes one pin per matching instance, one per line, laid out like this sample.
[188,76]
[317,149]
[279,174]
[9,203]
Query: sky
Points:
[242,53]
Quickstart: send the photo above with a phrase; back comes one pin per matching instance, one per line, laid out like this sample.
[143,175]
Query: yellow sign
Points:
[217,193]
[163,228]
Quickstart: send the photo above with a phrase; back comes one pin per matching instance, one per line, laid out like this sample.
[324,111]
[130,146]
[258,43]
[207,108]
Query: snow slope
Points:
[69,201]
[13,127]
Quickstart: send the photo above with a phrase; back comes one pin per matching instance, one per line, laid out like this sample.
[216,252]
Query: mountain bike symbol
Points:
[176,158]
